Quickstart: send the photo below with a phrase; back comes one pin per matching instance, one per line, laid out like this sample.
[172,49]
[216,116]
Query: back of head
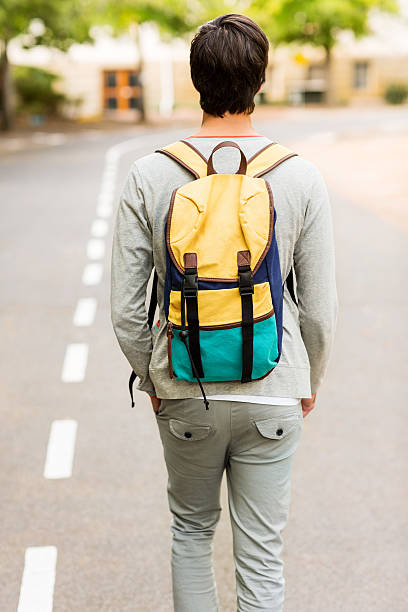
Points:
[228,59]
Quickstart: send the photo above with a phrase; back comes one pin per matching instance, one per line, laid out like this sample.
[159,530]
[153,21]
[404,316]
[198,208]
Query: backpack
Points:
[223,292]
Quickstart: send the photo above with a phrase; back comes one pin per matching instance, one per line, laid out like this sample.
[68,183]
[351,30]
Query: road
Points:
[108,522]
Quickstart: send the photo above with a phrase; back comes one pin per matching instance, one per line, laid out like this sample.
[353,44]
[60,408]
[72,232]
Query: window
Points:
[360,75]
[133,79]
[112,103]
[110,79]
[122,91]
[134,103]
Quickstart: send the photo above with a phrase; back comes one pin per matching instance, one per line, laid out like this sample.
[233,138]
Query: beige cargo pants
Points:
[255,444]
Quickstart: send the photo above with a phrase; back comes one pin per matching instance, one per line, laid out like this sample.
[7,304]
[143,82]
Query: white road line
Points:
[75,361]
[104,210]
[60,450]
[92,274]
[95,249]
[37,585]
[85,311]
[99,228]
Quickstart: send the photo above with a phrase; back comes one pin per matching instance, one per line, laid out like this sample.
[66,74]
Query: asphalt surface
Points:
[346,541]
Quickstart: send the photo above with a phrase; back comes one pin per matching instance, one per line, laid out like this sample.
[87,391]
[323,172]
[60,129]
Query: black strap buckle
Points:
[190,284]
[246,281]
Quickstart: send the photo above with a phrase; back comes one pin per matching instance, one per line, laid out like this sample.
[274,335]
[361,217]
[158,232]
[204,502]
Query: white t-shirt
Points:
[257,399]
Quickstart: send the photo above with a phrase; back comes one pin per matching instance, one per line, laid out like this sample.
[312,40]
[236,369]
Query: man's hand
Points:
[155,403]
[308,403]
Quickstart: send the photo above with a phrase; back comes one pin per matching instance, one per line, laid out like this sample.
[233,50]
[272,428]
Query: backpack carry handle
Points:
[227,143]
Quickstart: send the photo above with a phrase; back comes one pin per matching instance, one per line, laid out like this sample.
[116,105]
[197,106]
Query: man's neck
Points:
[229,125]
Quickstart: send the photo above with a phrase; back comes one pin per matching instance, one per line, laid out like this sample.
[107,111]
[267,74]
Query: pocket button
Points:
[278,427]
[190,432]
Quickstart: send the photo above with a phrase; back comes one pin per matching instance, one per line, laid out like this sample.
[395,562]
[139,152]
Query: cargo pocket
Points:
[189,432]
[277,428]
[278,436]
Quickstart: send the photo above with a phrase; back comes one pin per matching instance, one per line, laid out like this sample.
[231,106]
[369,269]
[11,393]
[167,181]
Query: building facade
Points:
[104,79]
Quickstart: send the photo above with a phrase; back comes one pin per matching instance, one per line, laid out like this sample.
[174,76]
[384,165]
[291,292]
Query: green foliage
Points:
[317,22]
[35,90]
[175,18]
[60,22]
[396,93]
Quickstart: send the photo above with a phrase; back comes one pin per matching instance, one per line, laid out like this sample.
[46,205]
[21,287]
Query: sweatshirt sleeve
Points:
[131,266]
[314,264]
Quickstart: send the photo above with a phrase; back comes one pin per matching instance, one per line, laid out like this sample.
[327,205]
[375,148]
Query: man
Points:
[251,430]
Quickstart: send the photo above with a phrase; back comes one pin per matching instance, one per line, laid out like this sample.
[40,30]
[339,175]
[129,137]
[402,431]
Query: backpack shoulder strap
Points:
[187,156]
[267,159]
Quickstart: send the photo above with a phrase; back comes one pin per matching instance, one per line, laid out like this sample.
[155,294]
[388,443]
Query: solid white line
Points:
[92,274]
[76,357]
[37,584]
[99,228]
[85,312]
[60,450]
[95,249]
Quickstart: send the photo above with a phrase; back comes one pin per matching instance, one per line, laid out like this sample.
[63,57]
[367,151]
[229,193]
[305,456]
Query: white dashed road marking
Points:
[85,312]
[95,249]
[92,274]
[99,228]
[75,361]
[60,450]
[37,585]
[104,210]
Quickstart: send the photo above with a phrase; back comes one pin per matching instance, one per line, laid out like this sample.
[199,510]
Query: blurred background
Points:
[86,87]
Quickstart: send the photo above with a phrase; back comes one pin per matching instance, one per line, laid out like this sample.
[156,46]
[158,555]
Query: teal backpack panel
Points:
[221,352]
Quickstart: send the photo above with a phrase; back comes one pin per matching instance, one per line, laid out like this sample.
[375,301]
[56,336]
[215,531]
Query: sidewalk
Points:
[369,170]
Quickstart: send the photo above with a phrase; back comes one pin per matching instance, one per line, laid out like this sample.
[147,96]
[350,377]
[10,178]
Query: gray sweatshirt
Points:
[305,239]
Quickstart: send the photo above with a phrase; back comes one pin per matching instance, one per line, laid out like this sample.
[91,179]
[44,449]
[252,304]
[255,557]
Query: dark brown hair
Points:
[228,58]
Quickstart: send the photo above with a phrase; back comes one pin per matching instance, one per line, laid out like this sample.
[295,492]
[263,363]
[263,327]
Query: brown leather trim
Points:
[190,260]
[231,325]
[271,144]
[271,219]
[265,375]
[194,149]
[173,195]
[243,258]
[274,165]
[193,172]
[169,355]
[218,280]
[227,143]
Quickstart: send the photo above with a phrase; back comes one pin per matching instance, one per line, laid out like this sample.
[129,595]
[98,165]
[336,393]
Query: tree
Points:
[177,18]
[317,22]
[52,23]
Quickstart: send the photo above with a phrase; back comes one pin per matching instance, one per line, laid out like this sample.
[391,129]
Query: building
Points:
[103,80]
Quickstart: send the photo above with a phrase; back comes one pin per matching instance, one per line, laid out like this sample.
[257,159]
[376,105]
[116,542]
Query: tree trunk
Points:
[330,97]
[142,107]
[166,85]
[6,118]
